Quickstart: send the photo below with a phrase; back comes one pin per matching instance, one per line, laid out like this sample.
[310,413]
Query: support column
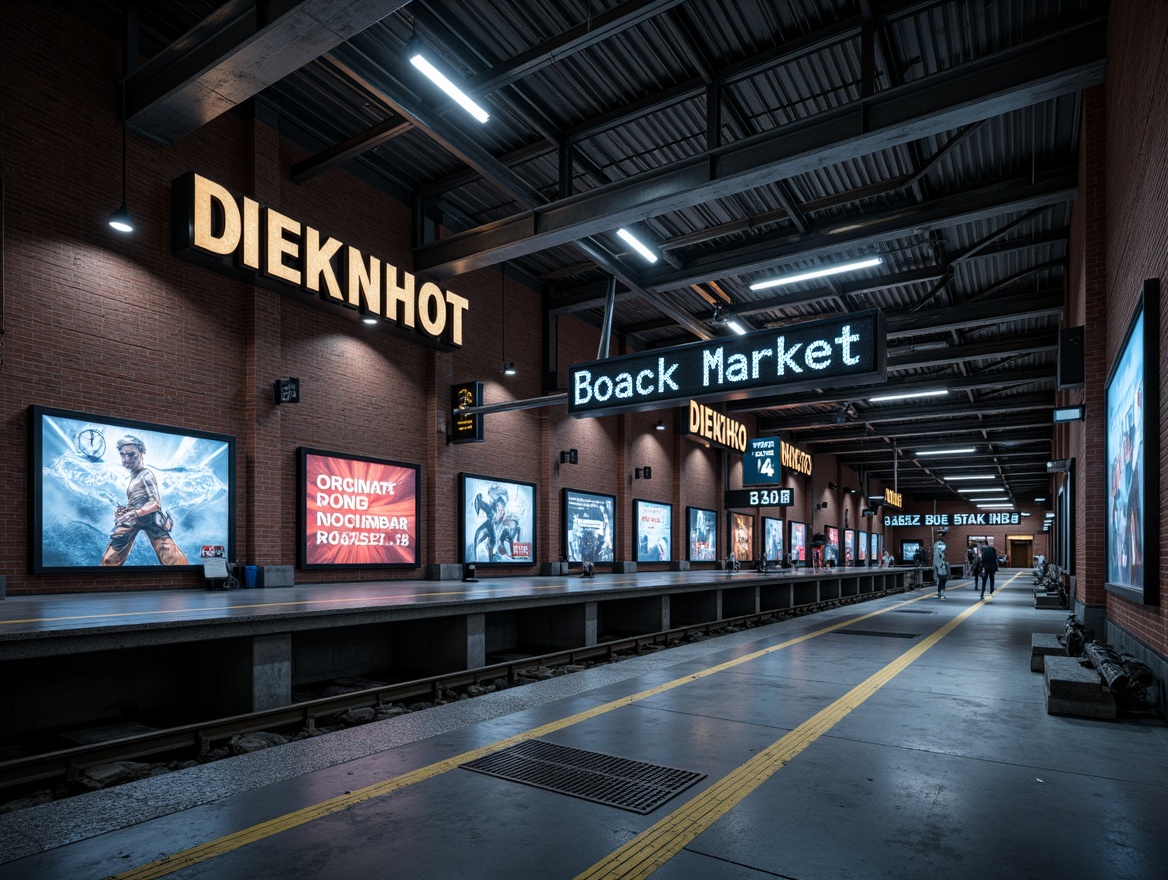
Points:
[271,671]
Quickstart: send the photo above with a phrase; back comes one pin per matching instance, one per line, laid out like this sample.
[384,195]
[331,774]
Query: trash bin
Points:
[250,576]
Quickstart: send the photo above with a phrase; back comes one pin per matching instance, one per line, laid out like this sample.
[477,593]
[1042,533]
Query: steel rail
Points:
[198,738]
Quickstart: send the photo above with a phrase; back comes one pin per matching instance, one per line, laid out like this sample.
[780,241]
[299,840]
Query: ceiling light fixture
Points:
[981,490]
[369,319]
[1039,500]
[120,219]
[816,273]
[969,477]
[736,325]
[908,394]
[661,424]
[508,366]
[954,451]
[995,506]
[636,244]
[415,51]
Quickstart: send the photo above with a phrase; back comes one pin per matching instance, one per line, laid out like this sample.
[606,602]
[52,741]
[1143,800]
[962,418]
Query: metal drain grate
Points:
[877,633]
[605,779]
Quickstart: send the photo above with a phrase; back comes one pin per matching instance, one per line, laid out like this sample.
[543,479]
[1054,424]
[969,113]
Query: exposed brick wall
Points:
[1137,248]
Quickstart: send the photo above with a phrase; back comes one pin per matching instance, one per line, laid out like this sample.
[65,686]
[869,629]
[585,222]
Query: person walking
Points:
[940,568]
[989,565]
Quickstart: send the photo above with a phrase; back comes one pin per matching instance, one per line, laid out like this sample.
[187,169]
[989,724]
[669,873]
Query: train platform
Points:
[904,736]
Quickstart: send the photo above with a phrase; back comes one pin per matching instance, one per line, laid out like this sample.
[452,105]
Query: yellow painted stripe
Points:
[653,847]
[245,836]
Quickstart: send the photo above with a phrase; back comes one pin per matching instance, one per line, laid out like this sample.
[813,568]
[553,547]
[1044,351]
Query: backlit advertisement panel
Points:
[357,511]
[653,528]
[110,493]
[498,521]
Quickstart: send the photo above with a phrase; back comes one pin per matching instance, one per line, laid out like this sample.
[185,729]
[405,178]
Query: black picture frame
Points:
[652,530]
[77,485]
[773,545]
[1132,456]
[356,511]
[701,534]
[798,543]
[831,546]
[589,526]
[741,535]
[485,530]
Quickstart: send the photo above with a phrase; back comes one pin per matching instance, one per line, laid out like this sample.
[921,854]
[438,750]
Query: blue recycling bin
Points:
[250,576]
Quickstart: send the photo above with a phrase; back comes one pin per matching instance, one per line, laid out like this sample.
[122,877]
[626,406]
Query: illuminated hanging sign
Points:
[994,518]
[849,350]
[466,427]
[719,429]
[760,464]
[794,458]
[259,245]
[782,497]
[893,498]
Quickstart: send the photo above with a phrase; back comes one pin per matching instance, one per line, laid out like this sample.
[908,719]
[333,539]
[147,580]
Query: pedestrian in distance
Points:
[940,568]
[989,565]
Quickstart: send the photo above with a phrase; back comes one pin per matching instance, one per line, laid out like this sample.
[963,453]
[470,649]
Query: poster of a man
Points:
[142,511]
[112,495]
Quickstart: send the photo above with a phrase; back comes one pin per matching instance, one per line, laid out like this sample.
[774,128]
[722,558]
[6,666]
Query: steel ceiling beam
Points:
[927,429]
[893,414]
[904,357]
[860,232]
[1028,74]
[236,53]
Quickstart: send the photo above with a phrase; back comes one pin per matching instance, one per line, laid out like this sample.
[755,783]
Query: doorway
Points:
[1021,553]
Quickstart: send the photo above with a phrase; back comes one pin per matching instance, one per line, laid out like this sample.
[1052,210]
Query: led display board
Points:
[784,496]
[988,518]
[851,350]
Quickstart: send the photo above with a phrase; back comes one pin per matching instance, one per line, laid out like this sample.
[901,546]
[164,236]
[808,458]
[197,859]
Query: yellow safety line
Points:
[219,846]
[653,847]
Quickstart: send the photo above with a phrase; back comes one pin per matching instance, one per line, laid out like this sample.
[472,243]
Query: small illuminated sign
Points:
[760,464]
[466,427]
[893,498]
[781,497]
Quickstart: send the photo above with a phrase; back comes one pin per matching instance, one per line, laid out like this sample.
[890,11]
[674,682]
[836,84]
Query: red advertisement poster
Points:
[359,511]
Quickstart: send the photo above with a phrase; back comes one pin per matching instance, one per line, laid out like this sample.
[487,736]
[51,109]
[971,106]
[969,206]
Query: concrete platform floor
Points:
[904,737]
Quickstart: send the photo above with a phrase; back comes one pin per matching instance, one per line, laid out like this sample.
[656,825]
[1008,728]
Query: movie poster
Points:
[798,543]
[357,511]
[1126,506]
[498,521]
[113,493]
[653,525]
[742,536]
[772,538]
[703,535]
[849,547]
[862,547]
[831,548]
[589,522]
[874,550]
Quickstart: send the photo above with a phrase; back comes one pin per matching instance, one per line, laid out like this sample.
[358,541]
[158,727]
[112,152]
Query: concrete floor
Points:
[868,741]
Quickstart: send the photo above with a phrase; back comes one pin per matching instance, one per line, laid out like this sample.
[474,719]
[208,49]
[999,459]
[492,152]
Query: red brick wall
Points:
[1137,244]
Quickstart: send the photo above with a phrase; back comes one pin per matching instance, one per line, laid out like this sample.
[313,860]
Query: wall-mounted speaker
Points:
[1070,358]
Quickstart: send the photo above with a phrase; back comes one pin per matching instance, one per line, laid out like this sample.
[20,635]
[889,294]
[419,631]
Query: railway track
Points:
[195,740]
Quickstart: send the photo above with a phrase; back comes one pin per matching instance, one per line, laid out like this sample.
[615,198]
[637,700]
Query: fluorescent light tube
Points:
[816,273]
[635,243]
[906,396]
[1068,414]
[995,506]
[736,326]
[969,477]
[921,452]
[439,79]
